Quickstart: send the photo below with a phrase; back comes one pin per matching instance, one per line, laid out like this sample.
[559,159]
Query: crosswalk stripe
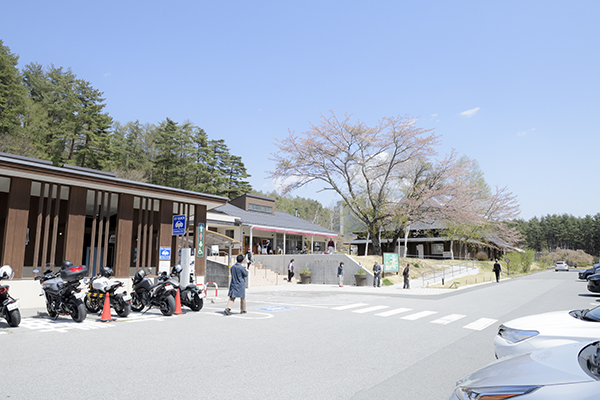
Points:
[349,306]
[393,312]
[480,324]
[448,319]
[418,315]
[366,310]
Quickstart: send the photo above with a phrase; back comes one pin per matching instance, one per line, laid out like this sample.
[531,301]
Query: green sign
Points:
[391,262]
[200,246]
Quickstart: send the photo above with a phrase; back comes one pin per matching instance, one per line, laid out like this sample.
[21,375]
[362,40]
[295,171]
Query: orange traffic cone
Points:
[178,304]
[106,317]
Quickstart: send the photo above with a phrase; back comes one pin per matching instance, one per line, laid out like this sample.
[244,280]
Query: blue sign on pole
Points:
[165,253]
[178,224]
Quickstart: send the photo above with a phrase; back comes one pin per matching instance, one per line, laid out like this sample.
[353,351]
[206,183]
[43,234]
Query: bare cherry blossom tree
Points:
[357,161]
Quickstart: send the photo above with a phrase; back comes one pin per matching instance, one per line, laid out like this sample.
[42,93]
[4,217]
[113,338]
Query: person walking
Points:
[249,257]
[497,268]
[237,288]
[291,270]
[376,275]
[406,275]
[340,274]
[330,246]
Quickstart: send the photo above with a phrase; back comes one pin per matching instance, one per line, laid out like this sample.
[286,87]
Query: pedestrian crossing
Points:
[408,314]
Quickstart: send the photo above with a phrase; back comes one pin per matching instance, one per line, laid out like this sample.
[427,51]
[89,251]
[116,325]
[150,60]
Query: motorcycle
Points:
[62,292]
[190,296]
[9,307]
[145,294]
[99,286]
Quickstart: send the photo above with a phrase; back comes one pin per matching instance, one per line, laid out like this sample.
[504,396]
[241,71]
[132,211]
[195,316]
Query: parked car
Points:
[565,372]
[561,266]
[527,334]
[590,271]
[594,283]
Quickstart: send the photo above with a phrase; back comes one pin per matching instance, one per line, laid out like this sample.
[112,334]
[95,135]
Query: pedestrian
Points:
[340,274]
[237,288]
[291,270]
[331,246]
[406,275]
[269,247]
[249,257]
[258,248]
[376,275]
[497,270]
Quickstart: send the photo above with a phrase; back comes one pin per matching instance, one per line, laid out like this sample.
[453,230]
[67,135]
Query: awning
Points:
[216,239]
[292,232]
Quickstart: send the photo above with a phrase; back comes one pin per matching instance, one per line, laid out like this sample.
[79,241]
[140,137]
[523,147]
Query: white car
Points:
[561,266]
[569,372]
[524,335]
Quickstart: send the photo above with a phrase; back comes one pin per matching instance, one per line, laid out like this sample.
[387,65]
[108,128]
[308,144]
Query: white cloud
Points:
[470,113]
[433,115]
[106,75]
[523,133]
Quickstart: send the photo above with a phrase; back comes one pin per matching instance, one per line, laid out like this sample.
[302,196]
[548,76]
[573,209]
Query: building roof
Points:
[34,169]
[278,222]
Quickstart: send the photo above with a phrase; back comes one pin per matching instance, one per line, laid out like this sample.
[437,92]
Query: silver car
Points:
[561,266]
[570,372]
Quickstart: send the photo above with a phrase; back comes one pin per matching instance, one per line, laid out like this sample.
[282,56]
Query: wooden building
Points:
[49,214]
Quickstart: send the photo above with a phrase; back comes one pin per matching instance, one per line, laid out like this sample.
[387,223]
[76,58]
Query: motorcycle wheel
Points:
[92,305]
[51,313]
[79,312]
[197,302]
[136,303]
[167,306]
[123,309]
[13,317]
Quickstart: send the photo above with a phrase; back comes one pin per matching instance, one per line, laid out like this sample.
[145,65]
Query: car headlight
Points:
[515,335]
[493,392]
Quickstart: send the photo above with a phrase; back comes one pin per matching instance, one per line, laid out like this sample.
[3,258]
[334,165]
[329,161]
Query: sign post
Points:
[179,225]
[391,262]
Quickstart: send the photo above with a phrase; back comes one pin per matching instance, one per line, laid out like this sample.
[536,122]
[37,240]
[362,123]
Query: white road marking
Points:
[349,306]
[419,315]
[393,312]
[480,324]
[448,319]
[370,309]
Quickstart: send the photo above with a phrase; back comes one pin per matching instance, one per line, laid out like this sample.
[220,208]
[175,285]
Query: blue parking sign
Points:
[178,224]
[165,253]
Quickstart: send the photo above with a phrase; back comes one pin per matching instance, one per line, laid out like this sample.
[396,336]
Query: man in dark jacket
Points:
[237,288]
[497,270]
[406,275]
[376,275]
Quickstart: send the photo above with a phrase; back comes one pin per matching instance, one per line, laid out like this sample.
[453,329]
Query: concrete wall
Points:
[323,267]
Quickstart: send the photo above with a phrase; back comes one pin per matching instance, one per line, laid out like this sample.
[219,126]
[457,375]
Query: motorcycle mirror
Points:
[35,271]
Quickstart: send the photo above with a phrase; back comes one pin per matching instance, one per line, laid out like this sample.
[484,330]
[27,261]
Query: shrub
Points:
[305,270]
[387,282]
[481,256]
[360,271]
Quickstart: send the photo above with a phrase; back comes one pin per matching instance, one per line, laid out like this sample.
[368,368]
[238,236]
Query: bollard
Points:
[442,281]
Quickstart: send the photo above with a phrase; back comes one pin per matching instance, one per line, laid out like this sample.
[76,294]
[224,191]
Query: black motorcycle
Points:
[190,296]
[9,307]
[145,294]
[99,286]
[62,292]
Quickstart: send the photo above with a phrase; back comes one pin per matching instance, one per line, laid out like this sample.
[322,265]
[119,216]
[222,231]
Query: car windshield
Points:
[592,314]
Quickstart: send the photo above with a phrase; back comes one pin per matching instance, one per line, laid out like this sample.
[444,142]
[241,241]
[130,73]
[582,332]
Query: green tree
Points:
[12,94]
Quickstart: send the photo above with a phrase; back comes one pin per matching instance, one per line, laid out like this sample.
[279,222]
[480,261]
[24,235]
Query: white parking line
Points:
[448,319]
[480,324]
[370,309]
[393,312]
[419,315]
[349,306]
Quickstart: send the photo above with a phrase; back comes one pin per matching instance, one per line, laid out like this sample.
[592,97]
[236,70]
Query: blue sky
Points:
[512,84]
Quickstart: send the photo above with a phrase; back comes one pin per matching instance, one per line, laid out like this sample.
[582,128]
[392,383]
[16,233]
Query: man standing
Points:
[406,275]
[497,270]
[291,270]
[340,274]
[376,275]
[237,288]
[249,257]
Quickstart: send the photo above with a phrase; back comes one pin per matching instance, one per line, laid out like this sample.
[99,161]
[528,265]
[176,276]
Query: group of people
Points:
[377,275]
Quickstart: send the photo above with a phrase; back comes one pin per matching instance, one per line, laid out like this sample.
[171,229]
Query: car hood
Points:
[556,365]
[557,323]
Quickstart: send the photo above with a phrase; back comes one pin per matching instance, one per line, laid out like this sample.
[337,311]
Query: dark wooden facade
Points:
[49,214]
